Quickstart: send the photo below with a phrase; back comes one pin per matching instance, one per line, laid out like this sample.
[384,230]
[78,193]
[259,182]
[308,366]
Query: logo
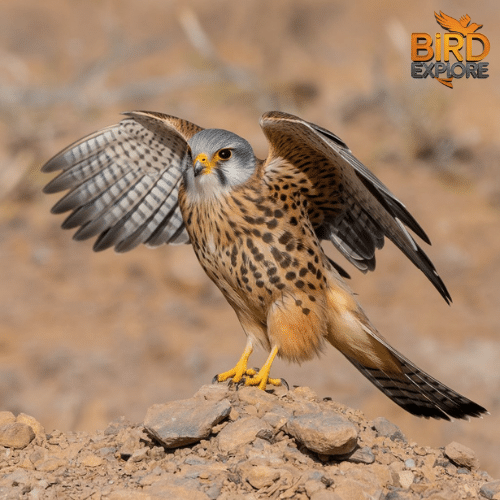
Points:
[461,42]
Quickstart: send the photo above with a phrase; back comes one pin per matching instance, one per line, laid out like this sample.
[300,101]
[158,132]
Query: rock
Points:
[406,478]
[37,427]
[91,460]
[259,476]
[184,422]
[361,456]
[491,490]
[387,429]
[254,395]
[461,455]
[167,489]
[325,495]
[16,435]
[19,476]
[6,417]
[323,433]
[50,464]
[239,433]
[213,392]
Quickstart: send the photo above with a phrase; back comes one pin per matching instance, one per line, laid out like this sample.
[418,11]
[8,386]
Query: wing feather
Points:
[123,182]
[347,203]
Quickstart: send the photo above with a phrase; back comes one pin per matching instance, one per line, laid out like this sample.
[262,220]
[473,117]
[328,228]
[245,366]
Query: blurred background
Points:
[87,337]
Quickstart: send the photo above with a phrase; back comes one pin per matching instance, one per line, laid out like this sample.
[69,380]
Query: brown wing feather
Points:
[124,181]
[347,204]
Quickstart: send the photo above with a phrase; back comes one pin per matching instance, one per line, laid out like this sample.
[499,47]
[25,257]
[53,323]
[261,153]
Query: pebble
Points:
[409,463]
[461,455]
[259,476]
[16,435]
[491,490]
[185,422]
[387,429]
[323,433]
[91,460]
[362,456]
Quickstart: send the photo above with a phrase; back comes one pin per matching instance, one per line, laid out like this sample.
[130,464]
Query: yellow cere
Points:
[209,165]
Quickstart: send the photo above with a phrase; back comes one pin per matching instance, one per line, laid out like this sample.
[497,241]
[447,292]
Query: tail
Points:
[396,376]
[418,393]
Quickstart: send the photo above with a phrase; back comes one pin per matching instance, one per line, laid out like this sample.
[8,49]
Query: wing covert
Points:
[347,204]
[123,182]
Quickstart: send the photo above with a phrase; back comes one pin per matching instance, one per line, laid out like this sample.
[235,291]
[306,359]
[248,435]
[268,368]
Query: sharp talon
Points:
[285,383]
[215,380]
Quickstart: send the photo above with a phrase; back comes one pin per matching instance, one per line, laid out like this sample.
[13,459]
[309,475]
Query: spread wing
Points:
[447,22]
[124,182]
[347,204]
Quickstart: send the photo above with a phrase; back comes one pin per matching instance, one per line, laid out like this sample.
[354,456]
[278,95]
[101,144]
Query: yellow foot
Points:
[261,379]
[240,370]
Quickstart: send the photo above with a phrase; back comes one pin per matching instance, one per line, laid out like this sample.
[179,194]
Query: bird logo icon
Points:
[451,24]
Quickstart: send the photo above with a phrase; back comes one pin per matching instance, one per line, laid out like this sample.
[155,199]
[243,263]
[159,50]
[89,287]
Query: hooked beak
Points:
[198,168]
[202,165]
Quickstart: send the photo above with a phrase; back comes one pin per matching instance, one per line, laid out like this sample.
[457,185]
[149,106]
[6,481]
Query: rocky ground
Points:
[230,443]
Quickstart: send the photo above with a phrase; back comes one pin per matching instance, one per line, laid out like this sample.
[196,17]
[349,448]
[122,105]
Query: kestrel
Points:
[256,228]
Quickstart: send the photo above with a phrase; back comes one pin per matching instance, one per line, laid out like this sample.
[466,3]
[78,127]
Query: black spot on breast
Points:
[259,283]
[272,224]
[306,311]
[303,272]
[299,284]
[290,275]
[285,237]
[267,238]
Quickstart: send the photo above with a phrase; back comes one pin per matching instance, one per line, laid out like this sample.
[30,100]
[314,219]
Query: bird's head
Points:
[220,159]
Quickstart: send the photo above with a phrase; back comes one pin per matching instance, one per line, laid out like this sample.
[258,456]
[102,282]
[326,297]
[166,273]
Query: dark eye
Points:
[225,154]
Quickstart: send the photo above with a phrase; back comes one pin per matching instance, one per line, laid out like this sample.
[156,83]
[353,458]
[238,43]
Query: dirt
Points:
[87,338]
[289,444]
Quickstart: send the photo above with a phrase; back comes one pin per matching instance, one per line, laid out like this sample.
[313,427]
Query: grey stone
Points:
[491,490]
[184,422]
[323,433]
[362,456]
[387,429]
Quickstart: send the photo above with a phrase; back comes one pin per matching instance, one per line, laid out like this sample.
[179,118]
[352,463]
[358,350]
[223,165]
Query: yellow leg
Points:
[240,370]
[262,378]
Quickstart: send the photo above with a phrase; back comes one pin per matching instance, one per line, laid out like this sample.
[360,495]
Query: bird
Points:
[256,227]
[451,24]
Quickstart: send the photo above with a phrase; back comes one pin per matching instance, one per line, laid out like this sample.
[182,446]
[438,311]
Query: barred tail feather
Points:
[419,393]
